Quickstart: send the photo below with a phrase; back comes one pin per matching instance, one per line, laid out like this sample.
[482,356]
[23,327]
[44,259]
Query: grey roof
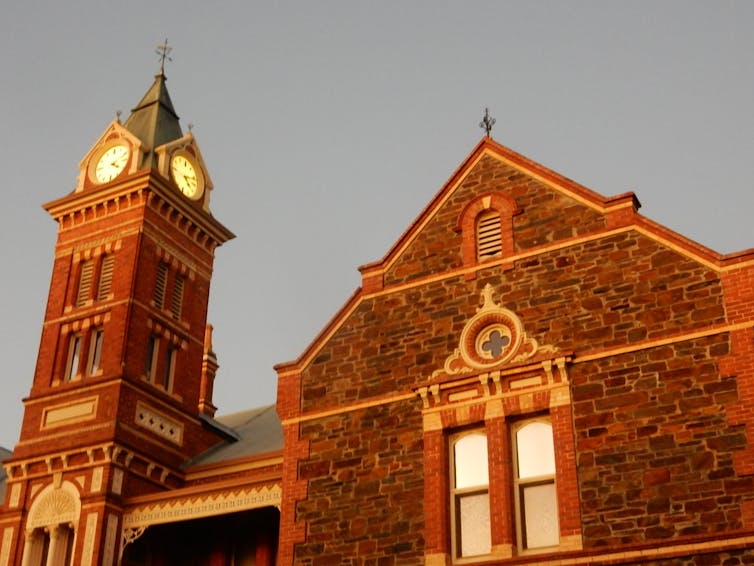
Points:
[258,430]
[154,120]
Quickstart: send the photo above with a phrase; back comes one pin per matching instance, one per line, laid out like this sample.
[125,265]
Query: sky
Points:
[327,126]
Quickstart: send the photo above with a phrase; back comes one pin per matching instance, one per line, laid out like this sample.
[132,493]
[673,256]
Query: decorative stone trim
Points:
[158,423]
[492,338]
[6,544]
[196,507]
[55,505]
[167,333]
[84,323]
[177,261]
[68,413]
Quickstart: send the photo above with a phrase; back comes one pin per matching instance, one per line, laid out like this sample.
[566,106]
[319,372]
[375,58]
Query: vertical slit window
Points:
[74,357]
[176,303]
[536,499]
[85,283]
[105,277]
[169,369]
[95,351]
[153,349]
[470,497]
[488,233]
[160,285]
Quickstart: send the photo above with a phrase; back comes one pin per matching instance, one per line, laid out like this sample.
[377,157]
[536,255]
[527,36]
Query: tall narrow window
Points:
[160,286]
[74,355]
[95,351]
[488,234]
[470,497]
[176,303]
[105,277]
[85,283]
[536,500]
[153,350]
[169,368]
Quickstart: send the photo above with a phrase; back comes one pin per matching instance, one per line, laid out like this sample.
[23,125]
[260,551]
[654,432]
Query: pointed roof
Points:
[154,120]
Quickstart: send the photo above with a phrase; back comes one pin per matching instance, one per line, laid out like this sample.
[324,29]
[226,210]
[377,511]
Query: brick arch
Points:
[466,224]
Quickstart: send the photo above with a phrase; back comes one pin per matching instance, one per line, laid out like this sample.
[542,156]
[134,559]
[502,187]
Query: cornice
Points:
[92,455]
[144,188]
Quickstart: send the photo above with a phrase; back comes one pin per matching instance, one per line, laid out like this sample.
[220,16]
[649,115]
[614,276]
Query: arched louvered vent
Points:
[488,242]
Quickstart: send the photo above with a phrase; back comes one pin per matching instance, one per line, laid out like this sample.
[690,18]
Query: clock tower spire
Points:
[121,395]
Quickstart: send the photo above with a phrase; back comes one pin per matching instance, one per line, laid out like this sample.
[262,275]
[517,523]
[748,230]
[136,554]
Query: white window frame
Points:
[457,494]
[94,359]
[169,367]
[153,354]
[73,360]
[520,485]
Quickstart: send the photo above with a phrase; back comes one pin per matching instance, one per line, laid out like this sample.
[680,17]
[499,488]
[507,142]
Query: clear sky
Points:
[328,125]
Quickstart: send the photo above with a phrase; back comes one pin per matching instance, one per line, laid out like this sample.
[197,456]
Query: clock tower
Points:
[122,392]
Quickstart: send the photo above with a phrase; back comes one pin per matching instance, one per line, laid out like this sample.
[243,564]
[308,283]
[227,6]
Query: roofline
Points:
[662,234]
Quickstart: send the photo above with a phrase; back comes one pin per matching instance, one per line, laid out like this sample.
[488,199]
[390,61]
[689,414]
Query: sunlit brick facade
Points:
[532,374]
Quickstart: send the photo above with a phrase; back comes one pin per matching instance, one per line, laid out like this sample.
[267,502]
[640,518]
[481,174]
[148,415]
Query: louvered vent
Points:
[488,241]
[177,300]
[85,283]
[105,277]
[160,285]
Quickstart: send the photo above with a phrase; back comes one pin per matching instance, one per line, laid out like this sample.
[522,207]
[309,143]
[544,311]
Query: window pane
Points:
[475,524]
[541,513]
[95,351]
[152,351]
[74,351]
[169,368]
[536,453]
[470,459]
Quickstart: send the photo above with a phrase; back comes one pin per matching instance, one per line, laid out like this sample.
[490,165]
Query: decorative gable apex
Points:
[186,145]
[115,134]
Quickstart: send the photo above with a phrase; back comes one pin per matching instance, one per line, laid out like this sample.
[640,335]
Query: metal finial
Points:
[487,122]
[164,52]
[118,114]
[190,126]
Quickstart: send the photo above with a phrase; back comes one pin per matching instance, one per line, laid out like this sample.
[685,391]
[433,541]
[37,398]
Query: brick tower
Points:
[122,392]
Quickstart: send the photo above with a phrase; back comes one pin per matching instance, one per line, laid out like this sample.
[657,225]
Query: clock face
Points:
[112,162]
[185,176]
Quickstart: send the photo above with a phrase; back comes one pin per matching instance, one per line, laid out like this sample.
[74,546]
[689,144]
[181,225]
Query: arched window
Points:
[470,495]
[534,481]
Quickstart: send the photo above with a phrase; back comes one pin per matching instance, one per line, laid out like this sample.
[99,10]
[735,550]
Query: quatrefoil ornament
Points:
[493,337]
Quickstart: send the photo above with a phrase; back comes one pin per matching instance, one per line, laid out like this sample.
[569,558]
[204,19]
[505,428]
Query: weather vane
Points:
[487,122]
[164,52]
